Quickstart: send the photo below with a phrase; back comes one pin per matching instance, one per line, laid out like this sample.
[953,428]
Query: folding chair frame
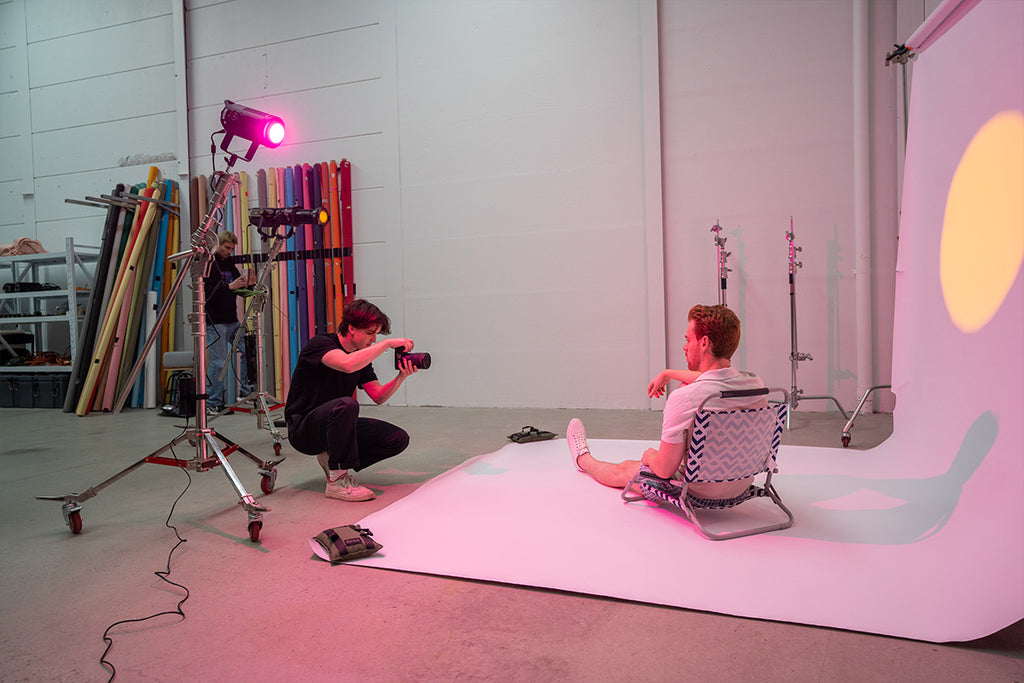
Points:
[674,493]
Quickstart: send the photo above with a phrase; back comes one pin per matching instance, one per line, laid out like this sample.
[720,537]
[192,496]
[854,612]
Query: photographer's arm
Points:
[357,360]
[379,393]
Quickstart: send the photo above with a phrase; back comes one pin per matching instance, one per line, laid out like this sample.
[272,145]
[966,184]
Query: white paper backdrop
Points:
[922,537]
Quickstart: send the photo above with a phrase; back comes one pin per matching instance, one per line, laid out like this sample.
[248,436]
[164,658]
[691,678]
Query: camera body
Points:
[420,361]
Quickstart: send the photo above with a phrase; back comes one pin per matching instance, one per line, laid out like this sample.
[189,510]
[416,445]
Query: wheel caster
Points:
[267,482]
[277,450]
[254,530]
[846,440]
[72,516]
[75,521]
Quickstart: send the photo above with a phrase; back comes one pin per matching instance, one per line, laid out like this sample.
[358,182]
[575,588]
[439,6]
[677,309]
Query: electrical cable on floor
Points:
[104,662]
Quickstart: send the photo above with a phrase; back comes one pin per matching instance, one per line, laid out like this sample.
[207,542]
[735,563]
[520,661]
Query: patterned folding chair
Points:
[724,446]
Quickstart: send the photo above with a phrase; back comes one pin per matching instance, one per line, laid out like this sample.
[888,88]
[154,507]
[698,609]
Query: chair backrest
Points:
[734,444]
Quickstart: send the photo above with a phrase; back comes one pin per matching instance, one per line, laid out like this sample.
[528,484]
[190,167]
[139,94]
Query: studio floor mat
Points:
[872,550]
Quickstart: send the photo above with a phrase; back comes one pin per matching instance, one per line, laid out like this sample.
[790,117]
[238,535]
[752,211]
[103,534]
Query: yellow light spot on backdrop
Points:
[982,245]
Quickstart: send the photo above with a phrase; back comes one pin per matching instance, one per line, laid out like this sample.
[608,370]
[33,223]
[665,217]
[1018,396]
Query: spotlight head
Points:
[288,216]
[253,125]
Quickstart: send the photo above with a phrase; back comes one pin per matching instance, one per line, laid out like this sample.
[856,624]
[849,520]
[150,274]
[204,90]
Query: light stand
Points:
[262,217]
[845,438]
[795,394]
[196,262]
[723,271]
[260,400]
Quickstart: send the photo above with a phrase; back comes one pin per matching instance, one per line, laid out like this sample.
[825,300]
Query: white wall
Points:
[758,128]
[498,173]
[328,87]
[85,103]
[508,198]
[522,165]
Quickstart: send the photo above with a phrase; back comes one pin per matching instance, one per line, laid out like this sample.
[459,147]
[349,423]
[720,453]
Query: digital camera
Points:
[420,361]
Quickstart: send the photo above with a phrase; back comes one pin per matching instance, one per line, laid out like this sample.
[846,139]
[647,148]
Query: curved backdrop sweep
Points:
[921,537]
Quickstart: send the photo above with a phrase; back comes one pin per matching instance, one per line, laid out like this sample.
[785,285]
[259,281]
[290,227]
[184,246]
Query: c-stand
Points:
[795,356]
[196,263]
[722,255]
[260,400]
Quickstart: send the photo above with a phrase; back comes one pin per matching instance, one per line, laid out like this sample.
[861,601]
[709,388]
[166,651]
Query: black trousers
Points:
[351,442]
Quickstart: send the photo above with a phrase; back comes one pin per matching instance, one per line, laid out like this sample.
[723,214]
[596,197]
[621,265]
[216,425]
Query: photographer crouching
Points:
[322,412]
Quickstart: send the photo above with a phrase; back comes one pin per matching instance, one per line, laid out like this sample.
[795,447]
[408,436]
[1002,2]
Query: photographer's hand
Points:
[407,344]
[382,392]
[405,368]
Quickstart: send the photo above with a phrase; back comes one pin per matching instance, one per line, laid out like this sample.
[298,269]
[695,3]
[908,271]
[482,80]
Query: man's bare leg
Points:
[613,474]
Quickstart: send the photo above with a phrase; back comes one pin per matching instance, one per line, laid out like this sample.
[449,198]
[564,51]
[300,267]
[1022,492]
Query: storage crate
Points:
[33,390]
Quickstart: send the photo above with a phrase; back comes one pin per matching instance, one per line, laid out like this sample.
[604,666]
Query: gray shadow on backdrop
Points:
[834,275]
[919,508]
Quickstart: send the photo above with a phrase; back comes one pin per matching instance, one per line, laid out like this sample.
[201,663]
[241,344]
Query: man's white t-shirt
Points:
[682,405]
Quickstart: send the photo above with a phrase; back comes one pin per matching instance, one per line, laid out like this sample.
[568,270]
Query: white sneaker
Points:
[577,438]
[346,488]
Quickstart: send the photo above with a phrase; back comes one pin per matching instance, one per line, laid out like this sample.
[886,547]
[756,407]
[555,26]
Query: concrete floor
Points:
[272,612]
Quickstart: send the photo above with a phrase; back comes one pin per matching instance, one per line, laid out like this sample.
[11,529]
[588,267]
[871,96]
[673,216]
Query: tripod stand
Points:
[196,263]
[722,256]
[260,400]
[795,357]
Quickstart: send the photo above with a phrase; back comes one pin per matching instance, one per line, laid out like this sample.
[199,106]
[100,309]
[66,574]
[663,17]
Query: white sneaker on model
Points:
[346,488]
[577,438]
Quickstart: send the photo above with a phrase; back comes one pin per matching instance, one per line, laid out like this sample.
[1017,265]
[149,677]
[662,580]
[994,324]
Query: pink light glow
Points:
[275,133]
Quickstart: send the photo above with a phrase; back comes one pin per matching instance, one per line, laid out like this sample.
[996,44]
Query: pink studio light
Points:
[257,127]
[275,133]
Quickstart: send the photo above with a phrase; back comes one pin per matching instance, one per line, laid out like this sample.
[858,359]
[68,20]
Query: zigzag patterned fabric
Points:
[656,489]
[659,490]
[735,444]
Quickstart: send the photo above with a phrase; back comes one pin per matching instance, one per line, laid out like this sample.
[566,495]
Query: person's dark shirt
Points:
[221,301]
[314,384]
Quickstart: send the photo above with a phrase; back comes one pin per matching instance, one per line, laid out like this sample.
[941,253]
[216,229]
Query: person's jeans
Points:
[218,340]
[351,442]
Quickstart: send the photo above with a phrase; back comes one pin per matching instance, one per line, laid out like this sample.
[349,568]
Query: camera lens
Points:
[420,361]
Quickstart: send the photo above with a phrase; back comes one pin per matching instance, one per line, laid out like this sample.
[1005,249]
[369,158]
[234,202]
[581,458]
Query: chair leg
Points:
[627,493]
[725,536]
[774,495]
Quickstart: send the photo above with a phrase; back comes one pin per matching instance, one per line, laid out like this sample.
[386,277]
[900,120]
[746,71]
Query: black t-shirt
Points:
[221,301]
[314,384]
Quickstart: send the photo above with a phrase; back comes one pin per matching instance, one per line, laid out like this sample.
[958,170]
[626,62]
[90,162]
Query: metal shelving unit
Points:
[32,311]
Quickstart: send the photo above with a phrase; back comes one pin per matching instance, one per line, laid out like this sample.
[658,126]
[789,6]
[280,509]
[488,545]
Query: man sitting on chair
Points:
[712,335]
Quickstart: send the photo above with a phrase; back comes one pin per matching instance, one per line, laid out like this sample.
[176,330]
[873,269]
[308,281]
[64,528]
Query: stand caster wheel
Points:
[846,440]
[277,451]
[267,482]
[75,521]
[254,530]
